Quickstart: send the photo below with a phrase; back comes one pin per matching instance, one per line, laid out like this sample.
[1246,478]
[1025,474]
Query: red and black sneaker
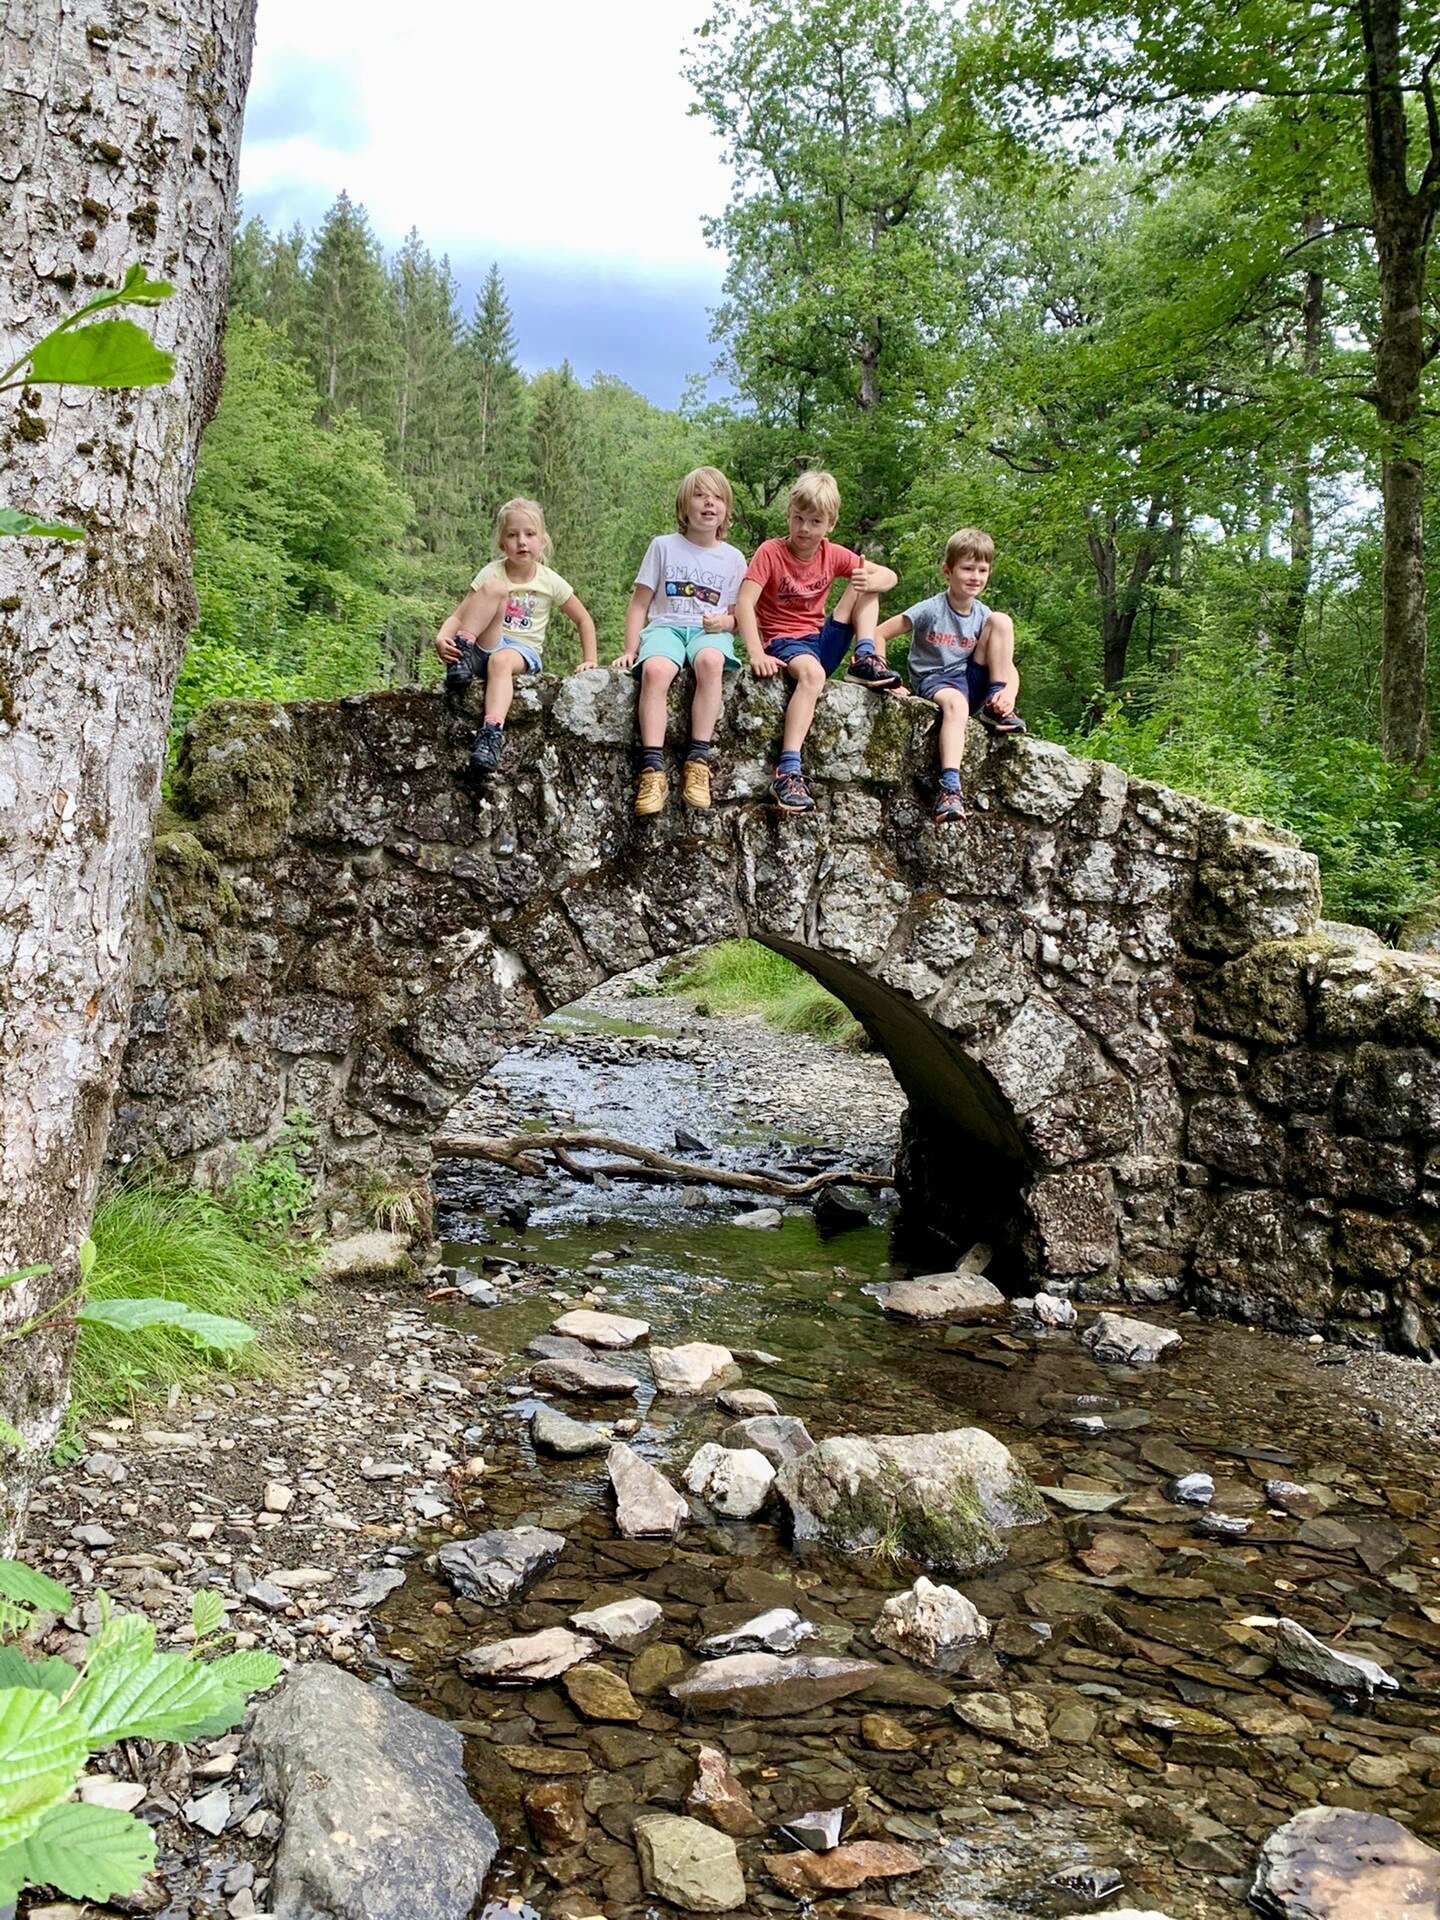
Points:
[871,671]
[990,716]
[949,806]
[790,793]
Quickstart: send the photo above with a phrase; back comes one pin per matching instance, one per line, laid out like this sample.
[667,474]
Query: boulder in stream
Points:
[588,1379]
[695,1368]
[735,1481]
[623,1623]
[768,1684]
[932,1625]
[363,1784]
[959,1298]
[779,1436]
[497,1566]
[1331,1863]
[645,1501]
[555,1432]
[939,1498]
[601,1329]
[1126,1342]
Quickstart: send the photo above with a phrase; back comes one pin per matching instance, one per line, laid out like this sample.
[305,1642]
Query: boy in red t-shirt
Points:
[781,618]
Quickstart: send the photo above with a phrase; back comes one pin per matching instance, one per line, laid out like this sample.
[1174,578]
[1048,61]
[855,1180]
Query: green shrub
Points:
[270,1194]
[740,976]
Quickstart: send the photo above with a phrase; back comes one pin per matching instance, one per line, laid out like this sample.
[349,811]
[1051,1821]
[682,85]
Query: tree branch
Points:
[518,1151]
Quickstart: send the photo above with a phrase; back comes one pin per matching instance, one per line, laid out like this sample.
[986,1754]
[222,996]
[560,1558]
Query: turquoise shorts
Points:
[681,644]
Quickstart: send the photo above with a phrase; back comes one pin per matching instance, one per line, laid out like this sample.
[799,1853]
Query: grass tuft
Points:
[740,976]
[183,1244]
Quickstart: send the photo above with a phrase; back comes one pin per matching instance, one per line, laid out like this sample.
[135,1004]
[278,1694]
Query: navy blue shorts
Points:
[973,680]
[829,646]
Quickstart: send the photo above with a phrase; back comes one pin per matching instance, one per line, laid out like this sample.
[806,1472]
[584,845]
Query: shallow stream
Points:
[1172,1746]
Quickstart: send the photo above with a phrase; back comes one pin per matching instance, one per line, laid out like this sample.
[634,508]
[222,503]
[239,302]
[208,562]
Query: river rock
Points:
[1298,1651]
[1132,1343]
[363,1784]
[645,1501]
[556,1346]
[818,1830]
[1193,1490]
[1120,1913]
[735,1481]
[721,1799]
[689,1864]
[600,1694]
[656,1666]
[528,1657]
[766,1684]
[744,1401]
[840,1208]
[697,1367]
[1053,1310]
[555,1432]
[602,1329]
[938,1498]
[930,1624]
[780,1630]
[760,1218]
[959,1298]
[497,1566]
[841,1868]
[623,1623]
[1330,1863]
[1016,1718]
[556,1812]
[779,1436]
[589,1379]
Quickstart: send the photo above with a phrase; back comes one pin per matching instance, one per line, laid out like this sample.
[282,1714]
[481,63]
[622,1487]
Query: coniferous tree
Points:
[427,435]
[496,453]
[347,320]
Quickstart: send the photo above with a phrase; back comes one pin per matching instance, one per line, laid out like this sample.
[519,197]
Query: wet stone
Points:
[600,1694]
[601,1329]
[745,1402]
[934,1625]
[1132,1343]
[1016,1718]
[961,1299]
[767,1684]
[556,1812]
[780,1436]
[527,1658]
[623,1623]
[689,1864]
[884,1735]
[645,1501]
[497,1566]
[735,1482]
[586,1379]
[842,1867]
[1298,1651]
[780,1630]
[555,1432]
[697,1367]
[717,1796]
[655,1666]
[1333,1863]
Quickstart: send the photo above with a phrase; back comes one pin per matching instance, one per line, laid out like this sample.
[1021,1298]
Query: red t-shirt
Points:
[792,592]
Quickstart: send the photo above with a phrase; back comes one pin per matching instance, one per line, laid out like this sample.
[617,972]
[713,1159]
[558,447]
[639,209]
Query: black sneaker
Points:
[790,793]
[460,673]
[1001,722]
[489,747]
[871,671]
[949,806]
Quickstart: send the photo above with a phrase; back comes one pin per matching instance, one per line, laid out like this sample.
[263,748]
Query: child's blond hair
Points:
[519,505]
[819,491]
[969,543]
[715,481]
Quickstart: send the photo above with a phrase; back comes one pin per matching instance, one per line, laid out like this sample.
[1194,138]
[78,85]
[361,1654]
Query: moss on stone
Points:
[885,1517]
[237,776]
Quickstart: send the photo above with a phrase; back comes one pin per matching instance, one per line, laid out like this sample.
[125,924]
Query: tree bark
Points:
[121,142]
[1302,509]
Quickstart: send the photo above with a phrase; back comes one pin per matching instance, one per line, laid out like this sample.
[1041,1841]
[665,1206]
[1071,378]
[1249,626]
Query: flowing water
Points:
[1173,1744]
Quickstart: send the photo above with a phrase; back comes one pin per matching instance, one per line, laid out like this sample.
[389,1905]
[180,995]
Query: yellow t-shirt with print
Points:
[527,610]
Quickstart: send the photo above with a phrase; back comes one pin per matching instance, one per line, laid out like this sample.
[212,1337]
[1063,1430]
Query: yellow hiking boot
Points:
[695,783]
[652,793]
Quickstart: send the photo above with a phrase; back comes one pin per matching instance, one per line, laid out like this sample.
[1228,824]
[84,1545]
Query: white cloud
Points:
[552,128]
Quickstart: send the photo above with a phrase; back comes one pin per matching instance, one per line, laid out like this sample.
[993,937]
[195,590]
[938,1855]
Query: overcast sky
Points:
[551,136]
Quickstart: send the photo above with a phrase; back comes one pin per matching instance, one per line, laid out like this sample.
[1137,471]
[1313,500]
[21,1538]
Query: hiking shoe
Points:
[489,747]
[949,806]
[790,793]
[871,671]
[695,783]
[1000,722]
[652,792]
[460,673]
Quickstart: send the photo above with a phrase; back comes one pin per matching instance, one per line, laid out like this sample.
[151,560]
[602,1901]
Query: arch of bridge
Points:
[1107,1003]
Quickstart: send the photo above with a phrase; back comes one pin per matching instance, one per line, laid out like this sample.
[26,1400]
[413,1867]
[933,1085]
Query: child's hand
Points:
[446,648]
[763,665]
[861,579]
[623,660]
[716,623]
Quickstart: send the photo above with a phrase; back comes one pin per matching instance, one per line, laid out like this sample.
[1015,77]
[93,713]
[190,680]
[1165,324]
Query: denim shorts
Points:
[829,646]
[973,680]
[480,656]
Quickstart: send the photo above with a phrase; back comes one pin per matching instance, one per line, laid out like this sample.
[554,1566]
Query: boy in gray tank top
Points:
[962,656]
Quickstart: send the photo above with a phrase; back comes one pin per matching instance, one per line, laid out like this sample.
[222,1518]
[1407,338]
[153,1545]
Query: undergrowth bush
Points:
[740,976]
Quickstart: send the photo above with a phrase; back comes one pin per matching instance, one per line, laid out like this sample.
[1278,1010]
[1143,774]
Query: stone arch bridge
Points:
[1135,1057]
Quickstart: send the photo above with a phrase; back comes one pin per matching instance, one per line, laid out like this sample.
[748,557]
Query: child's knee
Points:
[657,671]
[806,671]
[709,665]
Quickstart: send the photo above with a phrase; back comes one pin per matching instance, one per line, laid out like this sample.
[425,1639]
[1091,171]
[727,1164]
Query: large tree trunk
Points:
[1403,222]
[121,135]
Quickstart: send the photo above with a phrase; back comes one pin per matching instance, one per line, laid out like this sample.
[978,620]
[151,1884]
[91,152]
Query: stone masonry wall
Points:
[1134,1055]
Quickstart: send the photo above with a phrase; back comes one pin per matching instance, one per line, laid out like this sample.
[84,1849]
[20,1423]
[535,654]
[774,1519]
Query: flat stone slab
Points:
[497,1566]
[768,1684]
[555,1432]
[1131,1343]
[778,1630]
[645,1501]
[528,1657]
[1298,1651]
[838,1869]
[744,1401]
[623,1623]
[699,1366]
[364,1255]
[1330,1863]
[586,1379]
[602,1329]
[364,1783]
[779,1436]
[958,1298]
[689,1864]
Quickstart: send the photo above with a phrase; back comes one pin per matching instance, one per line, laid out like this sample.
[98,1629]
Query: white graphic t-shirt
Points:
[527,610]
[689,581]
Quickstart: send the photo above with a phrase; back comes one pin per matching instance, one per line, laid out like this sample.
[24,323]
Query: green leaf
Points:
[249,1671]
[31,1588]
[53,1676]
[129,1314]
[109,353]
[42,1748]
[88,1852]
[207,1612]
[25,1273]
[12,521]
[11,1436]
[85,1257]
[163,1697]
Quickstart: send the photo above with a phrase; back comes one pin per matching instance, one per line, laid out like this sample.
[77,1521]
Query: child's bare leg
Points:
[809,677]
[996,653]
[954,713]
[655,678]
[709,669]
[501,668]
[481,609]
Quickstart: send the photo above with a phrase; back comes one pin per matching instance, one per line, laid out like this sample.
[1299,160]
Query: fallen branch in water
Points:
[520,1153]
